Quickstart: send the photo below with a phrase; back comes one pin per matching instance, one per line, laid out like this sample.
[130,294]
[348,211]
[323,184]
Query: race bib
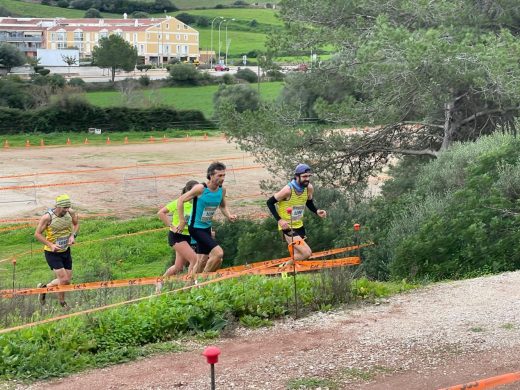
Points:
[62,242]
[297,212]
[207,213]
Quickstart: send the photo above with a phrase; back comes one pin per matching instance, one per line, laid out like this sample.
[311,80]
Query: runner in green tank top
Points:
[60,226]
[295,196]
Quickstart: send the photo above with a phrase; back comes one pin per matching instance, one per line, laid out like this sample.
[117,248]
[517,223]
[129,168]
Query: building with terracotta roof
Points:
[157,40]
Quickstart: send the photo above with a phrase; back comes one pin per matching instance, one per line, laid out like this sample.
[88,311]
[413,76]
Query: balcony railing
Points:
[6,38]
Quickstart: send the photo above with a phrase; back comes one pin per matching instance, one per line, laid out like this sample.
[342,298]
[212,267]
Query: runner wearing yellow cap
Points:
[57,230]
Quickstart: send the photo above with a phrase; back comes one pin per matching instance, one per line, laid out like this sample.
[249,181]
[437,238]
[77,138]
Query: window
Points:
[178,37]
[185,37]
[159,36]
[53,37]
[135,37]
[178,48]
[62,45]
[167,37]
[103,34]
[78,36]
[141,48]
[167,26]
[61,35]
[178,27]
[185,27]
[185,49]
[167,49]
[148,36]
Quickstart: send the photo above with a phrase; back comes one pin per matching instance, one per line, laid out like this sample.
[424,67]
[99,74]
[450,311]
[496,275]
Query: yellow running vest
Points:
[297,202]
[59,230]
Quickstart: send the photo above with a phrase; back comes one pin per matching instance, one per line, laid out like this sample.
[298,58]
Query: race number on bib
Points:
[207,213]
[297,212]
[62,242]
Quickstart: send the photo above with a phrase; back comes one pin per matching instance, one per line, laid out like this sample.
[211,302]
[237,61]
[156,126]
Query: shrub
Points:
[247,75]
[77,82]
[241,97]
[144,80]
[184,74]
[140,15]
[43,72]
[93,13]
[63,4]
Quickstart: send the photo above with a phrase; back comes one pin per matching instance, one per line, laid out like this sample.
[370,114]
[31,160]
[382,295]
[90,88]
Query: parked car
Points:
[221,68]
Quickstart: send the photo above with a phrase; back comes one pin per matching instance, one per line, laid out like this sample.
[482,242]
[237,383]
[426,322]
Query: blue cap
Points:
[302,168]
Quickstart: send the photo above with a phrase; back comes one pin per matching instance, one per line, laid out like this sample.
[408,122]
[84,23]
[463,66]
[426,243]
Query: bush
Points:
[43,72]
[63,4]
[74,113]
[93,13]
[186,18]
[247,75]
[459,220]
[228,79]
[144,81]
[241,97]
[275,75]
[142,67]
[77,82]
[184,74]
[140,15]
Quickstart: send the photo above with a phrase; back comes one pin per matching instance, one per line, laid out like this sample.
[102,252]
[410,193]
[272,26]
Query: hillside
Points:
[441,335]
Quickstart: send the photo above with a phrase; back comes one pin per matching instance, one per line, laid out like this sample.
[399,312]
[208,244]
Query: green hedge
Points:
[80,116]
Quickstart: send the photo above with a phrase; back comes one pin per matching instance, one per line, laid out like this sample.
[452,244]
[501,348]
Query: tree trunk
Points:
[113,73]
[448,125]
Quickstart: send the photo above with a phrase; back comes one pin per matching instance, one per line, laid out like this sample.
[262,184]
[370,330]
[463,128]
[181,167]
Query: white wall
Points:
[50,57]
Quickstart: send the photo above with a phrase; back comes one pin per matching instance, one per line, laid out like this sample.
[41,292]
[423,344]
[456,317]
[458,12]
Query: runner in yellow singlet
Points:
[296,196]
[57,230]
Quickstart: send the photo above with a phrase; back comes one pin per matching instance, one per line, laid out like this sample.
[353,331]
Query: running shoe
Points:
[42,296]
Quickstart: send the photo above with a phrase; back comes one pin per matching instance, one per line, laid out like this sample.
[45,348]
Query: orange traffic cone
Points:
[126,140]
[152,139]
[86,141]
[205,136]
[42,144]
[108,140]
[6,144]
[27,143]
[68,141]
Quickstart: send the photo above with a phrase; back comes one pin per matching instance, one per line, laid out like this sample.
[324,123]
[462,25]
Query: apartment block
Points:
[157,40]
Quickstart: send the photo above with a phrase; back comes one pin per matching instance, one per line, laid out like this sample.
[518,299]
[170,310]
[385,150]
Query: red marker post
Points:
[357,226]
[211,354]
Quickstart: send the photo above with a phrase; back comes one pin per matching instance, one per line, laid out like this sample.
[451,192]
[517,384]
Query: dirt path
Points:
[121,180]
[441,335]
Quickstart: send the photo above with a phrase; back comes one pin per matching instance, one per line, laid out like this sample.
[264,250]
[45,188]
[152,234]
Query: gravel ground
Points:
[440,335]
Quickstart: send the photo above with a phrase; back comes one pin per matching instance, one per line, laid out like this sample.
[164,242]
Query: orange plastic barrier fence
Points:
[218,279]
[268,267]
[487,383]
[78,183]
[91,170]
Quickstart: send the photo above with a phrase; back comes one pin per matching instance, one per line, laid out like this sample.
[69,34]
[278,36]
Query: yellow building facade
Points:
[157,40]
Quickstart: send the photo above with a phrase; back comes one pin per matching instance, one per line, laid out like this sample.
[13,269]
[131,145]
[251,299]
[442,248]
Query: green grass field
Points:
[183,98]
[25,9]
[264,16]
[193,4]
[241,42]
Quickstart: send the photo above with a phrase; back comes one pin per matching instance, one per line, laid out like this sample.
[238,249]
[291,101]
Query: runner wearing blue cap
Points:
[291,201]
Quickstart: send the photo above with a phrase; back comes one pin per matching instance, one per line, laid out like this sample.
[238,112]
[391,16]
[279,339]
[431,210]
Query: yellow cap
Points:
[63,201]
